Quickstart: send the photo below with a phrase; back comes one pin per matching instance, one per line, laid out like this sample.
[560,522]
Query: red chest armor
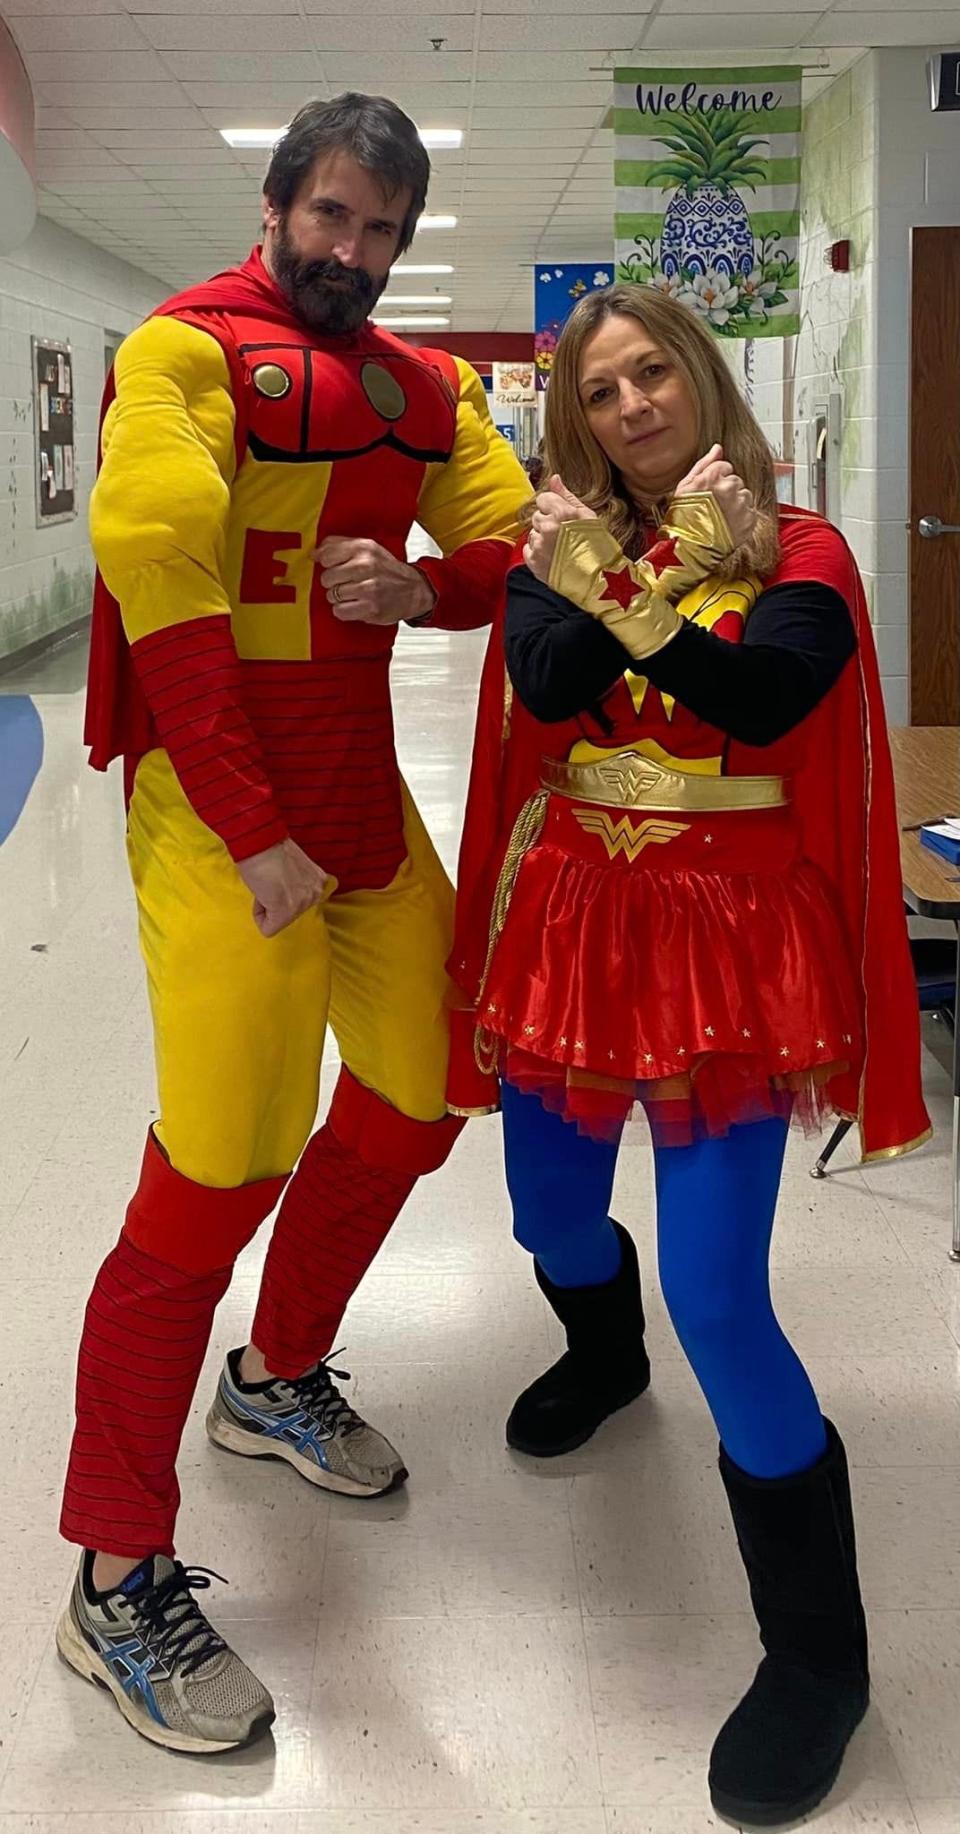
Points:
[324,401]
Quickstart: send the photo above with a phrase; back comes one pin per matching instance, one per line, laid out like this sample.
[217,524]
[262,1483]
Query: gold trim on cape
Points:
[894,1152]
[526,831]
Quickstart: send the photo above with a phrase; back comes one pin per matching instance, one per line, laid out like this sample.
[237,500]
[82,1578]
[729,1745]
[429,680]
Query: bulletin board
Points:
[54,443]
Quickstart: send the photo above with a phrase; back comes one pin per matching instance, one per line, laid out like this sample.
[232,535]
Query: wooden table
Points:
[926,769]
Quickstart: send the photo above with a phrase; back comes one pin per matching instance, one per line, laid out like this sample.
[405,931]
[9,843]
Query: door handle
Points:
[931,528]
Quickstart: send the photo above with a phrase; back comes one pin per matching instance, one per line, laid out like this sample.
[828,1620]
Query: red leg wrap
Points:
[145,1335]
[351,1184]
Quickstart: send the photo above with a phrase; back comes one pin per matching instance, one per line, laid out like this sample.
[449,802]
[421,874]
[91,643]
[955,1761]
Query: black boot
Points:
[604,1367]
[781,1750]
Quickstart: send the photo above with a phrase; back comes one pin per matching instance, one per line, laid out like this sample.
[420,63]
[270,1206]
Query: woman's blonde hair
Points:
[571,449]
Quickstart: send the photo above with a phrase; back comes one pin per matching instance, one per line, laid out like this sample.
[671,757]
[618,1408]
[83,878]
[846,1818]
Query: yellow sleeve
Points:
[479,493]
[160,506]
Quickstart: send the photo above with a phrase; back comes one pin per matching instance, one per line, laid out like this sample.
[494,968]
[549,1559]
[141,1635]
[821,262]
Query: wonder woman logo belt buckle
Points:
[627,836]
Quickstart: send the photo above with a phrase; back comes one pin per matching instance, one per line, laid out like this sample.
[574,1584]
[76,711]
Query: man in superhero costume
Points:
[264,453]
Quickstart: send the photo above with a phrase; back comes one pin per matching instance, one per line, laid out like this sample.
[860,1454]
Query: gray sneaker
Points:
[171,1674]
[308,1423]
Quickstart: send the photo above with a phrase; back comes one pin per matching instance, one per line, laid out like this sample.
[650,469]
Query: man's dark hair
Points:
[374,131]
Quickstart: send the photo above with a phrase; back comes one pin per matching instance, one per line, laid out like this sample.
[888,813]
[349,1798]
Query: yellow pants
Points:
[239,1019]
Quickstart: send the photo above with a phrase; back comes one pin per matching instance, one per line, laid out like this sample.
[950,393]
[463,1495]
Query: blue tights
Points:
[715,1208]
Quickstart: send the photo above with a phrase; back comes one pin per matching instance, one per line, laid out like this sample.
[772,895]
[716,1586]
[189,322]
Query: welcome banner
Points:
[708,192]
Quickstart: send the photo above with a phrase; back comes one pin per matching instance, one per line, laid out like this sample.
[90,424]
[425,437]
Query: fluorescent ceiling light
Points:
[412,321]
[436,139]
[417,299]
[437,223]
[252,137]
[442,267]
[439,139]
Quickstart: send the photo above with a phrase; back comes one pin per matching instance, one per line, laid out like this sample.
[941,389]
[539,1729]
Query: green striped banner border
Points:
[636,172]
[649,126]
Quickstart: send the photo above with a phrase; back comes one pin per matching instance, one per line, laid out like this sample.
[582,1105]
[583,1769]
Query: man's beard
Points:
[329,297]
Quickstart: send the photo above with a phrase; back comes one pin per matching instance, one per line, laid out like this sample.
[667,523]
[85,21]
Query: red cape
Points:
[845,801]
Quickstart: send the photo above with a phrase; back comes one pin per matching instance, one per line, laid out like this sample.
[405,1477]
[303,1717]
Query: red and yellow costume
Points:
[668,915]
[233,442]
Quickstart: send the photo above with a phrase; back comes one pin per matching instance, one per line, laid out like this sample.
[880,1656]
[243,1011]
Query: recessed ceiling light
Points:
[442,267]
[412,321]
[437,223]
[436,139]
[417,299]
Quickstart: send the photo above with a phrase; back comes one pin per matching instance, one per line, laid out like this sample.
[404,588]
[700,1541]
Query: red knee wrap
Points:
[383,1137]
[192,1226]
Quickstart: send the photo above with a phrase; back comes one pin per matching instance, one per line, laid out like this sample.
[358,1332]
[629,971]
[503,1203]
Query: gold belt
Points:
[626,780]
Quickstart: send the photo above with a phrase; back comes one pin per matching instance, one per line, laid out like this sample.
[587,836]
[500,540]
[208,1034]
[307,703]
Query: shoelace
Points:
[172,1622]
[317,1393]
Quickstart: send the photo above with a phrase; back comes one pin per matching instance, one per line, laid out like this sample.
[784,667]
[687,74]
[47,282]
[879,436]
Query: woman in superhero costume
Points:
[693,903]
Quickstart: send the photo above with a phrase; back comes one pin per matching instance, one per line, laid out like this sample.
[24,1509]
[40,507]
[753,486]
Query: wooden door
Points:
[935,478]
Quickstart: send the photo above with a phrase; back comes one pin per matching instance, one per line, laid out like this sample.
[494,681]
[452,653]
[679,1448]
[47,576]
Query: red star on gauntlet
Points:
[635,599]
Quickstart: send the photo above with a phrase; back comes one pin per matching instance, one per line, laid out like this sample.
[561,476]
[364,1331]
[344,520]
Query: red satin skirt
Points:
[694,963]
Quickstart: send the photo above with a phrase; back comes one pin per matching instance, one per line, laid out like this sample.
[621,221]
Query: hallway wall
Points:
[55,285]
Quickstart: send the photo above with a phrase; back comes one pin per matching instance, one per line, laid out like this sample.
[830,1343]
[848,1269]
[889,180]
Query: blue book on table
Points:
[947,845]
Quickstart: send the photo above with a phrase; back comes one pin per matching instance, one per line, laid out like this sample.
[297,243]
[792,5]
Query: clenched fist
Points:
[555,506]
[367,585]
[285,882]
[714,473]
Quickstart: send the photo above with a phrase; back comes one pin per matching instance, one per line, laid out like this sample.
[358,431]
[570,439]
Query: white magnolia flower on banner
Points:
[756,291]
[713,295]
[669,284]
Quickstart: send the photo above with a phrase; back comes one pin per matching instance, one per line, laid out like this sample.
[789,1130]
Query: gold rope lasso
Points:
[526,831]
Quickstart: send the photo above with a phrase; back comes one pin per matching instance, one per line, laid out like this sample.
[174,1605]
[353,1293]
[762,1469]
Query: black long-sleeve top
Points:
[796,642]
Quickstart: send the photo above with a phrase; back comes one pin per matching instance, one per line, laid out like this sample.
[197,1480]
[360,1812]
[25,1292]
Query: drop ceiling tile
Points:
[589,93]
[414,11]
[584,31]
[611,8]
[670,7]
[14,9]
[141,66]
[486,143]
[264,104]
[215,8]
[911,26]
[105,116]
[179,160]
[300,67]
[712,32]
[105,95]
[199,31]
[551,65]
[108,32]
[341,31]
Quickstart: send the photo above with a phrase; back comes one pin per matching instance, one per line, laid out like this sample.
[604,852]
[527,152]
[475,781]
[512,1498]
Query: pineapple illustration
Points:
[707,226]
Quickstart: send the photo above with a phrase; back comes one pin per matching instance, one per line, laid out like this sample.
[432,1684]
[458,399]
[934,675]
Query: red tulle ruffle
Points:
[714,995]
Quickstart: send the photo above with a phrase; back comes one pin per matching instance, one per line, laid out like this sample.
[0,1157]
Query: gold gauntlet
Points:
[591,569]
